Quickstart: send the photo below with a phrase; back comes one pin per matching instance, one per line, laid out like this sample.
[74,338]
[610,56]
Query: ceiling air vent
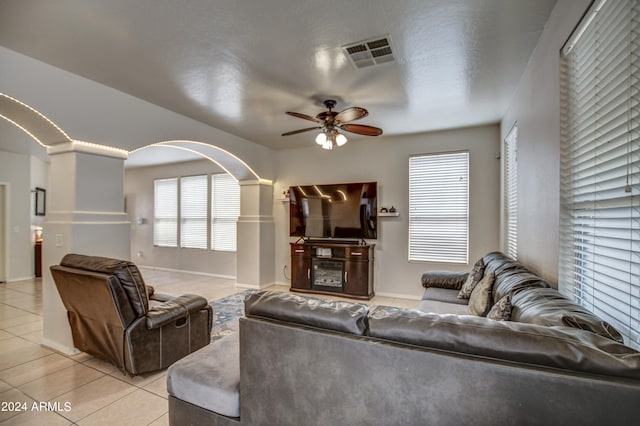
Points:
[370,52]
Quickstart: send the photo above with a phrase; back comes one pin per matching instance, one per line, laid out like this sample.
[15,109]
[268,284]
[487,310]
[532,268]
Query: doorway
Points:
[3,233]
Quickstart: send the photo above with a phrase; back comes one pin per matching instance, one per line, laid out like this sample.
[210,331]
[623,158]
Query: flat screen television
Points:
[342,210]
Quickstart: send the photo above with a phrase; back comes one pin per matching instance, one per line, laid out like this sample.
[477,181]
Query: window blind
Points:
[600,175]
[225,209]
[439,207]
[165,212]
[193,211]
[511,193]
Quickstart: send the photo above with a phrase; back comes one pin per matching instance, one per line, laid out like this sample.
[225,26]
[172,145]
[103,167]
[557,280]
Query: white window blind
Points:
[225,209]
[511,193]
[600,146]
[439,207]
[165,213]
[193,211]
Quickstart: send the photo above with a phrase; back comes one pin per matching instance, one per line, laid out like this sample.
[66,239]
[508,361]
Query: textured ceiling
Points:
[239,65]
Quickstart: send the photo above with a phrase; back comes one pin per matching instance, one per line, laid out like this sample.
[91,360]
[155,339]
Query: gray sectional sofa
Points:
[307,361]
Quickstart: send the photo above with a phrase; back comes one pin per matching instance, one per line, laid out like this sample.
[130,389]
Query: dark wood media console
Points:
[328,267]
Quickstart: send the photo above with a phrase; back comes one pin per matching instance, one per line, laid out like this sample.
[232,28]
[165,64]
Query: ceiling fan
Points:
[330,122]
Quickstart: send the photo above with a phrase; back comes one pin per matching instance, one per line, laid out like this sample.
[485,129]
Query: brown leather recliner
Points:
[114,317]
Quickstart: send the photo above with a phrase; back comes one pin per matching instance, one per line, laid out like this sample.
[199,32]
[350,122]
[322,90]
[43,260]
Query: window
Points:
[165,213]
[439,207]
[511,193]
[196,221]
[193,211]
[225,209]
[600,146]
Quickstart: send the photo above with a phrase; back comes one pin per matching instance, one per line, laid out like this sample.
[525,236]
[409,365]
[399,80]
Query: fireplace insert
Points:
[327,275]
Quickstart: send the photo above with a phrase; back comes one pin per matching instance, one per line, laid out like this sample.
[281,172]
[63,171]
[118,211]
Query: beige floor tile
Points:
[25,328]
[94,396]
[141,408]
[4,335]
[381,301]
[405,303]
[9,311]
[140,380]
[100,365]
[26,317]
[30,418]
[81,357]
[35,337]
[4,386]
[61,382]
[18,351]
[21,403]
[158,386]
[161,421]
[36,369]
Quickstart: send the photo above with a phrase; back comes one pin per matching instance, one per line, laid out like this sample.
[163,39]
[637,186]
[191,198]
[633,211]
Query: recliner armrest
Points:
[161,297]
[174,309]
[444,279]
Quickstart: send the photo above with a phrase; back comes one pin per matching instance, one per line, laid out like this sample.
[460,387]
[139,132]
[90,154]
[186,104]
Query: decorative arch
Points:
[230,163]
[51,136]
[32,122]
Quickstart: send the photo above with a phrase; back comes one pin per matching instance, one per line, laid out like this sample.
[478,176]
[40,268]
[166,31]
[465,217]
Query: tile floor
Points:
[80,389]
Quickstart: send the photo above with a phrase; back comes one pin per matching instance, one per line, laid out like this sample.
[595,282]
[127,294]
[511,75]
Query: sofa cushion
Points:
[546,306]
[444,279]
[335,315]
[481,301]
[511,276]
[209,377]
[557,347]
[476,274]
[512,281]
[443,295]
[443,307]
[501,311]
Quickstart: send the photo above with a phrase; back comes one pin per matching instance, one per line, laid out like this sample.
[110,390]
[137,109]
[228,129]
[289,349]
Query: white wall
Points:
[386,160]
[39,179]
[536,109]
[139,199]
[15,176]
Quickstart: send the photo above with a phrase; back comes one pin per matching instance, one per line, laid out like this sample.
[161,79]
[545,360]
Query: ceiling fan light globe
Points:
[321,138]
[341,139]
[327,144]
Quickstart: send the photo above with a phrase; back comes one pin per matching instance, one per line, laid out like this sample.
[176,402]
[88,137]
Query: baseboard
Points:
[63,349]
[13,280]
[206,274]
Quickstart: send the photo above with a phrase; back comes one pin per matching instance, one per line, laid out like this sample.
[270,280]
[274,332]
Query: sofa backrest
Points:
[127,274]
[546,306]
[511,276]
[557,347]
[334,315]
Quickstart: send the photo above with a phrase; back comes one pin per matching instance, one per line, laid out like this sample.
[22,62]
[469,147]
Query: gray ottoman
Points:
[208,379]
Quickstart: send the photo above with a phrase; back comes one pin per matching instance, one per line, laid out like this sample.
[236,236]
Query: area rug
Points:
[226,312]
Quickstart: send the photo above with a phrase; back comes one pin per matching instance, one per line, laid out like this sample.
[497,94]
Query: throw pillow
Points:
[472,280]
[480,300]
[501,311]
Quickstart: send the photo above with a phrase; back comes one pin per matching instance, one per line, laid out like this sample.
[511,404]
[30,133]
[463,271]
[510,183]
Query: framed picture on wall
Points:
[41,201]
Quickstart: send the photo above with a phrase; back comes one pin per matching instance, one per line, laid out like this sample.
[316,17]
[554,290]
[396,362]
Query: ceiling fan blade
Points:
[304,116]
[350,114]
[361,129]
[300,131]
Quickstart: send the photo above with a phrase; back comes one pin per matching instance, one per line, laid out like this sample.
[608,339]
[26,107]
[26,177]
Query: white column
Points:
[255,236]
[85,215]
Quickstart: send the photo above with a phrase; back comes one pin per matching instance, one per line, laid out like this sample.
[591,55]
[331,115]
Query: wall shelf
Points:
[389,214]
